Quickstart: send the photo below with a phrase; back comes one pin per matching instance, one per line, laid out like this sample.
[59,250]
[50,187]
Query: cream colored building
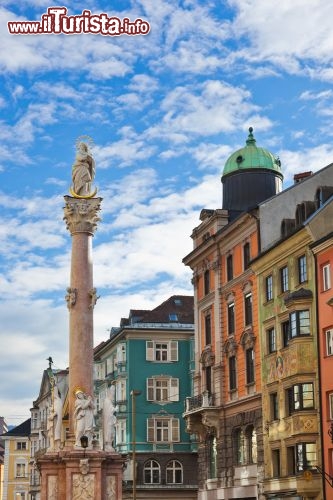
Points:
[17,462]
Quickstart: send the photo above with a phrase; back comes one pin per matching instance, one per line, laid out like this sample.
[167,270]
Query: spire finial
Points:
[250,140]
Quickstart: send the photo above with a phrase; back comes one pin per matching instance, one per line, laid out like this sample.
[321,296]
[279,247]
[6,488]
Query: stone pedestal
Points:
[79,475]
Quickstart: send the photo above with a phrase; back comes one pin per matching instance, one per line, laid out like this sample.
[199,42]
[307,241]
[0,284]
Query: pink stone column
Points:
[81,216]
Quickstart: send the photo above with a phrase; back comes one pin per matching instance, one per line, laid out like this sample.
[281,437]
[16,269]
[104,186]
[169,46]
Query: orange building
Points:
[225,411]
[323,251]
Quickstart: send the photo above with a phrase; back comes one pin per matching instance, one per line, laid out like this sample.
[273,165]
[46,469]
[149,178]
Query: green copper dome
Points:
[251,157]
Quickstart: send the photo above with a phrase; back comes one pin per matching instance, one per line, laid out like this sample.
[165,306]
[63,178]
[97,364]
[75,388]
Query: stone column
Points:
[81,216]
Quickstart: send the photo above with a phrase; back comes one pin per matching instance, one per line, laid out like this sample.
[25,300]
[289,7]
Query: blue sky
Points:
[165,111]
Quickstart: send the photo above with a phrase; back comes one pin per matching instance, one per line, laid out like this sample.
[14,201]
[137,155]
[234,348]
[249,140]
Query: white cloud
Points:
[286,32]
[313,159]
[210,108]
[127,151]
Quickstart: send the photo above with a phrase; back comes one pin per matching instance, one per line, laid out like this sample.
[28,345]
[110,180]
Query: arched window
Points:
[174,472]
[152,472]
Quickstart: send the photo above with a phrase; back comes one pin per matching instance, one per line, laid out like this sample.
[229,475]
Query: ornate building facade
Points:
[148,362]
[225,411]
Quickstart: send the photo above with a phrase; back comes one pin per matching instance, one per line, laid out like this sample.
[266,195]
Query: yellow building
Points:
[17,462]
[289,357]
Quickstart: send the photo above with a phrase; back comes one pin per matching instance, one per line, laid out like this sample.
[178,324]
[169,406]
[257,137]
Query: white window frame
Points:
[155,350]
[21,464]
[172,468]
[163,389]
[330,402]
[163,430]
[121,353]
[109,366]
[21,445]
[152,466]
[329,342]
[121,394]
[121,437]
[326,270]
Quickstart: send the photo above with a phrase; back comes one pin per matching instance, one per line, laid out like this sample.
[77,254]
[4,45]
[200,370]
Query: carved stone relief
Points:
[52,488]
[83,487]
[111,488]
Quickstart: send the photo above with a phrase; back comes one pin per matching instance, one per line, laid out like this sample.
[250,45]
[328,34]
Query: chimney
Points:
[302,176]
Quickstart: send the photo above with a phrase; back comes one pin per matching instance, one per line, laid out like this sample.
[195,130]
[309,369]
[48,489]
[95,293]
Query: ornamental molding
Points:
[81,215]
[207,357]
[247,339]
[230,347]
[71,297]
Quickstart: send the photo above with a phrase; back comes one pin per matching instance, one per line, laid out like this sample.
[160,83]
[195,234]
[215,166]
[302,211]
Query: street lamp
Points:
[134,393]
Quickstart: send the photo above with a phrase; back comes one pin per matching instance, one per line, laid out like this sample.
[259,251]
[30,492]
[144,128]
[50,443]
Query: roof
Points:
[177,308]
[20,430]
[251,157]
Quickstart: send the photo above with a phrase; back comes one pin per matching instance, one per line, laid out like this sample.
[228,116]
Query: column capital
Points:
[81,215]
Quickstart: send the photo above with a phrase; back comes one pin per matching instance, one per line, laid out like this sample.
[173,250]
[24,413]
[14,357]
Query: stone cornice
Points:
[81,215]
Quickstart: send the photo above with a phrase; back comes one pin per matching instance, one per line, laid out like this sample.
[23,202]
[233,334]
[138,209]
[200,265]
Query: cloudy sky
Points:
[165,110]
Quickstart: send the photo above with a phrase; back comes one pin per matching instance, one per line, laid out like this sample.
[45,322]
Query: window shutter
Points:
[175,429]
[174,389]
[174,350]
[150,389]
[150,350]
[150,430]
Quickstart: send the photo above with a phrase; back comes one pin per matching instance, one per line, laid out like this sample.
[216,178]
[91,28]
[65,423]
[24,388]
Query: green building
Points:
[148,360]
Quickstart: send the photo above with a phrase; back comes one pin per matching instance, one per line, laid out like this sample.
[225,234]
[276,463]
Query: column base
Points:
[79,474]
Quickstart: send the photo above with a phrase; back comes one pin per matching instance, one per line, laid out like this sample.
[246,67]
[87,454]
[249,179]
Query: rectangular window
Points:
[121,437]
[230,268]
[271,340]
[285,330]
[248,308]
[249,366]
[232,373]
[326,277]
[269,288]
[276,463]
[206,282]
[238,446]
[21,445]
[284,279]
[306,455]
[162,430]
[163,389]
[330,402]
[300,397]
[302,270]
[208,329]
[231,318]
[329,342]
[162,351]
[246,255]
[274,406]
[299,323]
[291,466]
[121,395]
[20,470]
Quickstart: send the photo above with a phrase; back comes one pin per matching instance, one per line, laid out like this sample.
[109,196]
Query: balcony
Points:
[201,415]
[194,403]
